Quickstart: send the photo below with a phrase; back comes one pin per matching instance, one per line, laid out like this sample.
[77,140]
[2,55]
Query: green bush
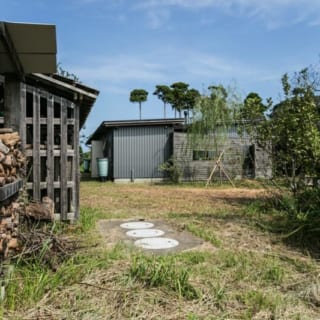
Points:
[172,169]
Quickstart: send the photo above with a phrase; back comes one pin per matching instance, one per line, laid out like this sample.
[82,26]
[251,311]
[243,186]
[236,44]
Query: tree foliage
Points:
[253,112]
[295,131]
[183,98]
[64,73]
[213,113]
[191,99]
[139,95]
[292,130]
[164,93]
[178,95]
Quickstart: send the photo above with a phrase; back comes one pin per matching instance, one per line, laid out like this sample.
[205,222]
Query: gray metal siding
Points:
[139,151]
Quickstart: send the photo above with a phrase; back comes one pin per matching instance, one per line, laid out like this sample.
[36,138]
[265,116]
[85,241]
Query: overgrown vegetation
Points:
[172,169]
[291,134]
[57,261]
[244,271]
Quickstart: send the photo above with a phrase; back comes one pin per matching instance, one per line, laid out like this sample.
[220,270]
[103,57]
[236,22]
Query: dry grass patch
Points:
[155,201]
[250,274]
[191,285]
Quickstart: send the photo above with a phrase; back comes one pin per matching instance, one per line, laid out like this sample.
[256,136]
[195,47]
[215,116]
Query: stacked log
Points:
[12,170]
[43,211]
[12,160]
[9,220]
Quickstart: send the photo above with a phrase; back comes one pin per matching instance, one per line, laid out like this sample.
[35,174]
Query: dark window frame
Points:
[203,155]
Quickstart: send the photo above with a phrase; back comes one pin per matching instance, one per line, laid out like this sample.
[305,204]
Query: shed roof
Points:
[79,93]
[105,125]
[27,48]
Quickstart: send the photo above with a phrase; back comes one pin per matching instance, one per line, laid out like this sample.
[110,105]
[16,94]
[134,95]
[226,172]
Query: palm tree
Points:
[138,95]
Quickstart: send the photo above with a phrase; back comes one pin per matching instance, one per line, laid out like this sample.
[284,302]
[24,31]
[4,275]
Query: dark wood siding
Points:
[241,159]
[51,141]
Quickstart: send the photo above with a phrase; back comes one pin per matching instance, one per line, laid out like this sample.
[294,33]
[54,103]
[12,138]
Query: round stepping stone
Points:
[137,225]
[156,243]
[145,233]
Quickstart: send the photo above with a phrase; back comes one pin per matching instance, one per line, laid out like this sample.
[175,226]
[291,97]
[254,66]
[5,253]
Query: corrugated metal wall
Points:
[139,151]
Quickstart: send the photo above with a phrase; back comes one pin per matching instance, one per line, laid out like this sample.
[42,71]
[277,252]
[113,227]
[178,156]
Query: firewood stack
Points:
[9,220]
[12,160]
[12,170]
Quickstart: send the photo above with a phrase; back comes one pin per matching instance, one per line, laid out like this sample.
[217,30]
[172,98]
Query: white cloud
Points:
[117,73]
[273,13]
[120,69]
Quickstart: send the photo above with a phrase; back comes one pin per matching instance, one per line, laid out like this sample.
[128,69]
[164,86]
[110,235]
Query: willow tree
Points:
[212,115]
[138,95]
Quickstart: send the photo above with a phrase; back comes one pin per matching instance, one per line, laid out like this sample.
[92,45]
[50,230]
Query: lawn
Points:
[245,273]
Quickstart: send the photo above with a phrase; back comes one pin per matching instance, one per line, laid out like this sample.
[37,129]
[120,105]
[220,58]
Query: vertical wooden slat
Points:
[23,129]
[50,147]
[63,161]
[36,145]
[76,166]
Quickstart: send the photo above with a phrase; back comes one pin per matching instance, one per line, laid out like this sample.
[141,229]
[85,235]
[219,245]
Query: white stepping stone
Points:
[145,233]
[156,243]
[137,225]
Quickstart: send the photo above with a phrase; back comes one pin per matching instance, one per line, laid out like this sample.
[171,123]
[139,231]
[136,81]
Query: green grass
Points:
[153,272]
[29,282]
[246,274]
[199,230]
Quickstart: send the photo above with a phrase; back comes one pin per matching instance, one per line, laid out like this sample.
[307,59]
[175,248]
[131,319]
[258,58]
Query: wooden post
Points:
[219,165]
[36,145]
[76,165]
[214,168]
[50,147]
[23,103]
[63,161]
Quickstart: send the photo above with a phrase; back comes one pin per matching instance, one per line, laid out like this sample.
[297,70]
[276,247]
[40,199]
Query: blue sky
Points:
[119,45]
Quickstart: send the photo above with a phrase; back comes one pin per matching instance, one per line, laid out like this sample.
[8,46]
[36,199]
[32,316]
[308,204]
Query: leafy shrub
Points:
[172,169]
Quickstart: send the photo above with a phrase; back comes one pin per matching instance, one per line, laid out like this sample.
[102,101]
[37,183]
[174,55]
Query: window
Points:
[203,155]
[43,107]
[29,105]
[56,110]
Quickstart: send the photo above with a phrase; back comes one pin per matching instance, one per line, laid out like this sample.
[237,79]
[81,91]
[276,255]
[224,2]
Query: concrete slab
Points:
[113,233]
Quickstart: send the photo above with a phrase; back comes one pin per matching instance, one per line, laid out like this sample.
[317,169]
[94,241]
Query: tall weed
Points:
[162,272]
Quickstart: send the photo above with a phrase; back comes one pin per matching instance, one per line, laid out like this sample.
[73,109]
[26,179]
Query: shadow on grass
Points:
[298,233]
[297,230]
